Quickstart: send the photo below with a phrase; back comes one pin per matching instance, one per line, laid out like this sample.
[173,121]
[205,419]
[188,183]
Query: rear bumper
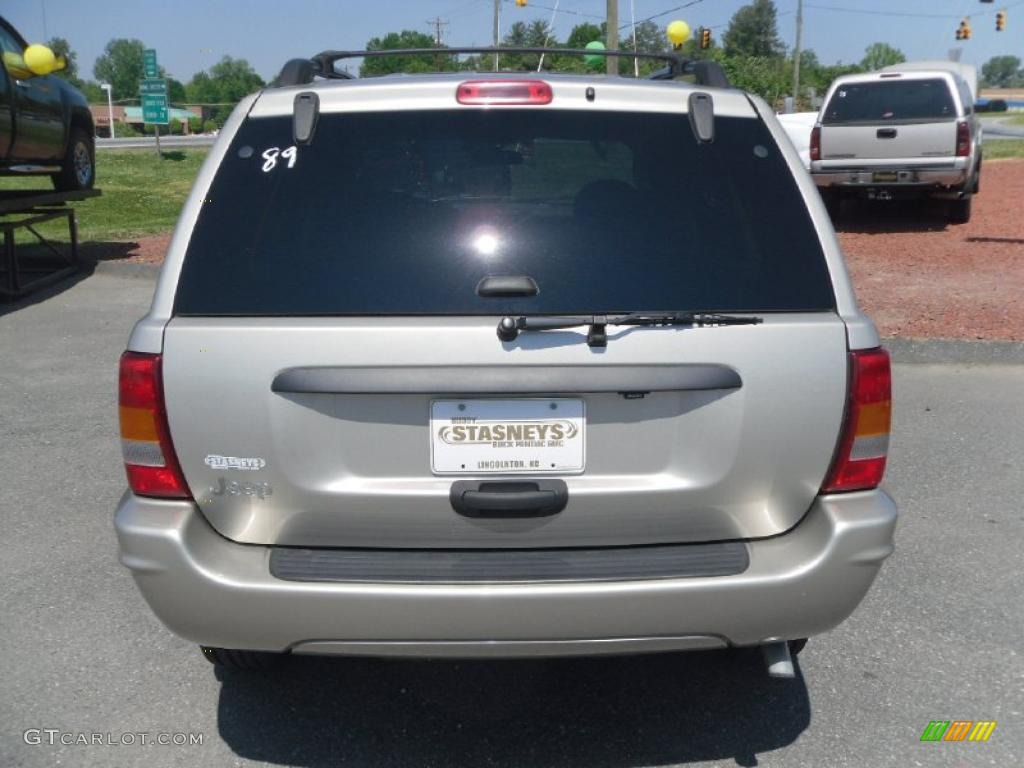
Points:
[906,178]
[216,592]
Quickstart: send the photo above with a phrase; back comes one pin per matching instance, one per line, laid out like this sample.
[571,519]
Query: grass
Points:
[142,193]
[1004,148]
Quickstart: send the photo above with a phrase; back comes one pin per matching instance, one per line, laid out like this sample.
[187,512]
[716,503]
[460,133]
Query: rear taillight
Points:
[860,461]
[146,444]
[963,139]
[816,143]
[501,92]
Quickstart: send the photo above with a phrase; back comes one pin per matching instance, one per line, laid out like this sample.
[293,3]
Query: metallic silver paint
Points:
[213,591]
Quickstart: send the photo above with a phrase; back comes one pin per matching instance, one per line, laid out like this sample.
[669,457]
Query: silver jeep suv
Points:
[503,365]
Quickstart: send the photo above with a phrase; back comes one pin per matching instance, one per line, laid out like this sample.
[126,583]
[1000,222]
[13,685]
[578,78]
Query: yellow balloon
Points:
[40,59]
[678,32]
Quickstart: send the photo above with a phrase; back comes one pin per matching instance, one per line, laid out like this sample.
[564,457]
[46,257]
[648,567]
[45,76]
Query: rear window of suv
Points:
[403,213]
[891,101]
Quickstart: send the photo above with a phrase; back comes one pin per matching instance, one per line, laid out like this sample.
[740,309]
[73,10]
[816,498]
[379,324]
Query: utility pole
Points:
[438,26]
[796,54]
[497,30]
[612,23]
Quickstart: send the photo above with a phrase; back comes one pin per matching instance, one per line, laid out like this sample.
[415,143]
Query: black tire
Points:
[795,646]
[78,169]
[976,187]
[232,658]
[960,210]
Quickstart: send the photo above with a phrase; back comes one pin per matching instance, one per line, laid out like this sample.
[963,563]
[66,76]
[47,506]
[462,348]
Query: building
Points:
[133,116]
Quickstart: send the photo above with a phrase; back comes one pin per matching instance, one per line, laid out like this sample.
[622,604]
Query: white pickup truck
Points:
[906,131]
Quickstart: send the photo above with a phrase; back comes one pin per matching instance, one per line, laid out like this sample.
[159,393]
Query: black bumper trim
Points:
[411,566]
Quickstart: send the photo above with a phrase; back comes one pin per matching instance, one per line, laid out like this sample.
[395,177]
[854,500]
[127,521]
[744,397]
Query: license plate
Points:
[885,176]
[526,436]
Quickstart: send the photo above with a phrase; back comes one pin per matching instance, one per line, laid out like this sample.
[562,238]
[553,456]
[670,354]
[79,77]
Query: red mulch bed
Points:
[916,275]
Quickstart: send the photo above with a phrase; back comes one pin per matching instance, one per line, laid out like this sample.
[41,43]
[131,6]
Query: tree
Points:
[879,55]
[1002,72]
[536,34]
[62,47]
[753,31]
[407,38]
[121,66]
[175,91]
[227,82]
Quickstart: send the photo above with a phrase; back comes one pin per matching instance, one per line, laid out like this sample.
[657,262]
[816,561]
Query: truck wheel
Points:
[833,202]
[960,210]
[976,188]
[231,658]
[78,170]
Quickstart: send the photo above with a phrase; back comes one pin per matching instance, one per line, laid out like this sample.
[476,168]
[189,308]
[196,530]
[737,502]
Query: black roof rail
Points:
[303,71]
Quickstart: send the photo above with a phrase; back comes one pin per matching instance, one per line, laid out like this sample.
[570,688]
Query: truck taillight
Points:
[503,92]
[963,139]
[816,143]
[146,444]
[860,461]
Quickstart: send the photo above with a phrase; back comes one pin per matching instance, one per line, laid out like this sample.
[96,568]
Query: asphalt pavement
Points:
[938,638]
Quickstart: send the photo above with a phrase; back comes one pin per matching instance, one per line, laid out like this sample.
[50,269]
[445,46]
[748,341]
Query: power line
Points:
[905,14]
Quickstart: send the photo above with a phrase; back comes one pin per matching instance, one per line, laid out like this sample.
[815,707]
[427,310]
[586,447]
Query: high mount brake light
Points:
[860,461]
[149,458]
[504,92]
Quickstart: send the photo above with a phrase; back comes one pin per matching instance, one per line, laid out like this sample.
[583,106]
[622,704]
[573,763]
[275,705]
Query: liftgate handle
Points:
[505,498]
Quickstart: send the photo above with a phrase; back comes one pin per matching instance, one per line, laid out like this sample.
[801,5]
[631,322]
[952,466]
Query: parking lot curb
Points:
[955,351]
[125,269]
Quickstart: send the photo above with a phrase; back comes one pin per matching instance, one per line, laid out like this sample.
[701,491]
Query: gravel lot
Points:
[918,276]
[939,636]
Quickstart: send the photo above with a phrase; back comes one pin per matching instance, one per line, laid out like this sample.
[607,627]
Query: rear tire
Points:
[78,169]
[795,646]
[960,210]
[233,658]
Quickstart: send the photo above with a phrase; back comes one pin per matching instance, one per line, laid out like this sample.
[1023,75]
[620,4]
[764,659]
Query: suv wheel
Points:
[960,210]
[232,658]
[78,169]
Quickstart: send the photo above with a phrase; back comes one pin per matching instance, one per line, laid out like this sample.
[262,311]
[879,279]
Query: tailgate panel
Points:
[353,469]
[888,141]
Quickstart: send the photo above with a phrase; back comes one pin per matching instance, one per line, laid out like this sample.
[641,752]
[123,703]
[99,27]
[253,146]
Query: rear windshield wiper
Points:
[510,327]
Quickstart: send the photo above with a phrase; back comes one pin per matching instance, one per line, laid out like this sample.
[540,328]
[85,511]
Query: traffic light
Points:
[705,39]
[963,32]
[1000,21]
[521,3]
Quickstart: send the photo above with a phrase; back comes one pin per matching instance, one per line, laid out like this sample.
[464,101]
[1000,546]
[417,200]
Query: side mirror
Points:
[41,60]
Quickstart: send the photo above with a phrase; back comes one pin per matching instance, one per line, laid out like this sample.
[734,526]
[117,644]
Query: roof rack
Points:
[303,71]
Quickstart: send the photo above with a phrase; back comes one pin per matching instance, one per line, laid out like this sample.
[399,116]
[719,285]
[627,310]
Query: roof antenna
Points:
[306,112]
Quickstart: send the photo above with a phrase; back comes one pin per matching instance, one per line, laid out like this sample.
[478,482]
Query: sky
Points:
[191,35]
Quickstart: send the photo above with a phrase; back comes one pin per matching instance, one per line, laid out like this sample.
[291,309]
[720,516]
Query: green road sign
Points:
[154,109]
[154,100]
[153,87]
[149,63]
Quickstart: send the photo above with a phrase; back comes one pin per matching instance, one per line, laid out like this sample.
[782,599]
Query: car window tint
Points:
[404,213]
[891,101]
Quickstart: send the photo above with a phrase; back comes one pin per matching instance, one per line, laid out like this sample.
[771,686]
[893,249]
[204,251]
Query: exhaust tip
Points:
[777,660]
